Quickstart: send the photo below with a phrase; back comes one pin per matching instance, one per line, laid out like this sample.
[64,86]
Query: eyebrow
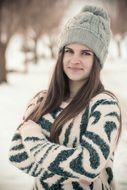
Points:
[86,50]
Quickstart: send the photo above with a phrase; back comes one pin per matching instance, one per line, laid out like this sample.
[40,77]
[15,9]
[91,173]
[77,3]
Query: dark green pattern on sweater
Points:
[109,127]
[19,157]
[74,143]
[111,102]
[94,158]
[110,174]
[46,175]
[84,123]
[76,165]
[35,147]
[18,147]
[33,166]
[44,185]
[54,166]
[100,142]
[36,173]
[67,133]
[76,186]
[16,137]
[55,112]
[96,115]
[91,186]
[46,153]
[114,114]
[57,186]
[45,124]
[99,102]
[33,139]
[37,151]
[35,169]
[28,168]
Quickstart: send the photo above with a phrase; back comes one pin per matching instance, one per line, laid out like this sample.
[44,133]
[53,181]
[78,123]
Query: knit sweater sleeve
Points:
[87,160]
[18,155]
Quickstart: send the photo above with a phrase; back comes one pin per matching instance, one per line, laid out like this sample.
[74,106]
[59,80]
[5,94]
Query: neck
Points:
[74,87]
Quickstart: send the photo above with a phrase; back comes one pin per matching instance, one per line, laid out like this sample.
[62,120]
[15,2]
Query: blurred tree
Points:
[8,25]
[118,13]
[29,17]
[42,17]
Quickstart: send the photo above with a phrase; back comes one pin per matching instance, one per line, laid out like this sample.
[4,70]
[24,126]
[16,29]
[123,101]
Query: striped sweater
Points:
[85,152]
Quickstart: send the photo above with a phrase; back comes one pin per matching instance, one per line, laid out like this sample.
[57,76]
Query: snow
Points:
[15,95]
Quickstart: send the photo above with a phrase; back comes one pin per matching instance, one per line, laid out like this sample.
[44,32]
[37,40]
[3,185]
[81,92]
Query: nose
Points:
[75,59]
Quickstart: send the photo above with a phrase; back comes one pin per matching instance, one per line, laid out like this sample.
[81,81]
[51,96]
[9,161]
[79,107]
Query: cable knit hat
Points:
[90,27]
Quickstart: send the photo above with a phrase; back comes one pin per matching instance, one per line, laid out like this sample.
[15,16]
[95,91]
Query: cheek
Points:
[65,59]
[64,66]
[65,63]
[91,62]
[88,66]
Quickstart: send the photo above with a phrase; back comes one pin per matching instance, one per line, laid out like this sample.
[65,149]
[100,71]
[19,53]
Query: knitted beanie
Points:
[90,27]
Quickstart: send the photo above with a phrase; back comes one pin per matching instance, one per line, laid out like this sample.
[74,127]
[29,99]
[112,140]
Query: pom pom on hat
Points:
[90,27]
[99,11]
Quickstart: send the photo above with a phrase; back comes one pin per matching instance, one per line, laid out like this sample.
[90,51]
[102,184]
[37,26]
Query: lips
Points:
[75,68]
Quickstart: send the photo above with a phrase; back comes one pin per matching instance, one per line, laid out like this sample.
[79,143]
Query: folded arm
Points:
[87,160]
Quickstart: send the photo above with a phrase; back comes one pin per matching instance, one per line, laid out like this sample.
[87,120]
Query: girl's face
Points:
[77,62]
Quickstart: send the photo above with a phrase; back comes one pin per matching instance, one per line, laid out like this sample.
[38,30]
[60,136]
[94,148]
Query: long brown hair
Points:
[59,91]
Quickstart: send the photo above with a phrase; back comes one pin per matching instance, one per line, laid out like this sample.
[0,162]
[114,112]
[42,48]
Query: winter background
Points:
[15,95]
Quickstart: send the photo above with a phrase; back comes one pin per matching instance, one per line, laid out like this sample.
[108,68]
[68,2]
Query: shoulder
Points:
[40,94]
[105,101]
[34,103]
[38,97]
[102,97]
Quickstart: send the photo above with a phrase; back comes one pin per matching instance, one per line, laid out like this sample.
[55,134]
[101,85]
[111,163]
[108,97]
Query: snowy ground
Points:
[13,99]
[115,78]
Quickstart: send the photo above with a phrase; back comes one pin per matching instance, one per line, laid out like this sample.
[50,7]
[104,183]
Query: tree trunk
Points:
[51,46]
[119,48]
[35,57]
[25,63]
[3,73]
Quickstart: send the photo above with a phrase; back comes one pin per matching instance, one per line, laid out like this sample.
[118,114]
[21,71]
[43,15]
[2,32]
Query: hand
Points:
[27,124]
[84,182]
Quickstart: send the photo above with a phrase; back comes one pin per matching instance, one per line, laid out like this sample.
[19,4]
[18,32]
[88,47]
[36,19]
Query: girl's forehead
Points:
[77,46]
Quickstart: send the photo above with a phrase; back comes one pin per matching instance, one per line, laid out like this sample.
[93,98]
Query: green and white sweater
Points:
[85,152]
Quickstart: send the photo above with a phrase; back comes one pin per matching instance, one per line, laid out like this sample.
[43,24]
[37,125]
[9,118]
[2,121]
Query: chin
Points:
[76,79]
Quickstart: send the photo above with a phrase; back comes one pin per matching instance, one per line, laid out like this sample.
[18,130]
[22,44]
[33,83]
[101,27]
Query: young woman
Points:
[69,133]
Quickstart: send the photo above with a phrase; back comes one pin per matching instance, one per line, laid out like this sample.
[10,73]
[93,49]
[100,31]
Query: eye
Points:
[67,50]
[86,52]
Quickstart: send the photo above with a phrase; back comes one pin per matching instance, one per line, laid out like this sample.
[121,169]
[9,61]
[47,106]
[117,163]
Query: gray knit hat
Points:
[90,27]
